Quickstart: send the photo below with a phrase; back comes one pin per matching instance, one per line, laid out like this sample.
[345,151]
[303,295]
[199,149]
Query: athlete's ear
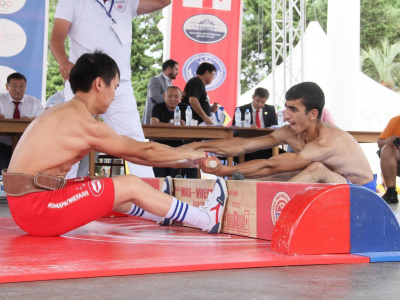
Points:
[313,114]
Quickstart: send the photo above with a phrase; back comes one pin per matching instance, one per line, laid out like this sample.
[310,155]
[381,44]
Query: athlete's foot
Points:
[167,188]
[215,206]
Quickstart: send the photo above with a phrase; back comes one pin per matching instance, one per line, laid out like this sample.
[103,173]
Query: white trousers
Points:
[123,117]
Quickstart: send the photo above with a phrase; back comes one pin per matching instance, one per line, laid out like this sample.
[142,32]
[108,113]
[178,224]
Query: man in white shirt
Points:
[16,105]
[106,26]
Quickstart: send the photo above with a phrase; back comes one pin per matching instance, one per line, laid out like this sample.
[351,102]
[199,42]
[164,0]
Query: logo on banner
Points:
[11,6]
[13,38]
[120,5]
[213,4]
[190,67]
[279,202]
[96,187]
[205,29]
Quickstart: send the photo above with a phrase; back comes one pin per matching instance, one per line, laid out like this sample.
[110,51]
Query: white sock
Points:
[183,212]
[139,212]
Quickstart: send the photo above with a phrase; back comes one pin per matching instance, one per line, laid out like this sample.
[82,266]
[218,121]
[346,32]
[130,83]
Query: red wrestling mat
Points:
[126,246]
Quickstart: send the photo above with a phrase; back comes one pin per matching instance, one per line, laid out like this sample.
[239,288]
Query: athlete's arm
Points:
[106,140]
[261,167]
[239,146]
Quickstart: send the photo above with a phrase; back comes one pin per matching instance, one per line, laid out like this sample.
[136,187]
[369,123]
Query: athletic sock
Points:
[140,212]
[183,212]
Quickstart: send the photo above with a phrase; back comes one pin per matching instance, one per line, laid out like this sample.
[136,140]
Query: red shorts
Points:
[52,213]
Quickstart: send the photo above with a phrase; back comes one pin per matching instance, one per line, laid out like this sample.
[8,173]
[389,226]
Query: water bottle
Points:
[177,116]
[221,115]
[280,119]
[238,117]
[247,118]
[188,116]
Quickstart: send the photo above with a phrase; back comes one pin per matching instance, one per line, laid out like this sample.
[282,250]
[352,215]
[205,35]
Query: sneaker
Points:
[215,206]
[167,188]
[390,198]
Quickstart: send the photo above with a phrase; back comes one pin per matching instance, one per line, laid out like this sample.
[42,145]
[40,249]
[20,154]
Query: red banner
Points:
[208,30]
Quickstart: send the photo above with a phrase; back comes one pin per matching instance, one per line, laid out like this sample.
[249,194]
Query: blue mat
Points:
[381,256]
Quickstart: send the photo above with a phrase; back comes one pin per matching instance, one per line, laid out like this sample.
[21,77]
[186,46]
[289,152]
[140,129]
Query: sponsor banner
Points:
[23,43]
[208,30]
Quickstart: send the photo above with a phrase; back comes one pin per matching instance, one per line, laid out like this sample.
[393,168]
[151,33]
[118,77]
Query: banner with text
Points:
[23,43]
[208,30]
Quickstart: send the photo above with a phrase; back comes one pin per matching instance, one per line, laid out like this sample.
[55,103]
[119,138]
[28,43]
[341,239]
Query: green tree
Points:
[256,43]
[54,80]
[146,58]
[384,61]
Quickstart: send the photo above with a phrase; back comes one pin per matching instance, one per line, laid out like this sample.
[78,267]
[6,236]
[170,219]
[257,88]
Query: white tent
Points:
[375,104]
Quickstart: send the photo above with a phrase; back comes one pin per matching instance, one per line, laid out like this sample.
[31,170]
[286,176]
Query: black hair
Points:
[17,76]
[261,92]
[311,95]
[169,63]
[90,66]
[204,67]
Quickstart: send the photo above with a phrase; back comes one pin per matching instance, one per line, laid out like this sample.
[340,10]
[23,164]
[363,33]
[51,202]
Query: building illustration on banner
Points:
[205,29]
[214,4]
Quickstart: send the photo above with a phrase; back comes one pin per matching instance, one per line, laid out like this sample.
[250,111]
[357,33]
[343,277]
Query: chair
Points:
[105,160]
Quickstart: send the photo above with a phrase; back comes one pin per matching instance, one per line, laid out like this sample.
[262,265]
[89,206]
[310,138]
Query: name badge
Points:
[121,33]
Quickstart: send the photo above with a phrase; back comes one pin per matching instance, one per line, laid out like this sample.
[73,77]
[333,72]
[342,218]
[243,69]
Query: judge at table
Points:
[14,104]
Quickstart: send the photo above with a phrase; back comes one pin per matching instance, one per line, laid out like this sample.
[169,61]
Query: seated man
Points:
[163,113]
[157,87]
[323,152]
[43,203]
[16,105]
[262,116]
[390,158]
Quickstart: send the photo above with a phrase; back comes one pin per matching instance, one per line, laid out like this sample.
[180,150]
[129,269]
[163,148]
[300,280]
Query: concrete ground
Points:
[359,281]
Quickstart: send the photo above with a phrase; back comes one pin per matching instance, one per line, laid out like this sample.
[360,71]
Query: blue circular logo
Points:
[205,29]
[191,65]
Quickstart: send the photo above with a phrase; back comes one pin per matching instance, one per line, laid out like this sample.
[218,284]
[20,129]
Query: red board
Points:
[315,221]
[126,246]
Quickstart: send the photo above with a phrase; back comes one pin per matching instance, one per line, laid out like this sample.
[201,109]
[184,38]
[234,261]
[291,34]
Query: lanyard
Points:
[108,12]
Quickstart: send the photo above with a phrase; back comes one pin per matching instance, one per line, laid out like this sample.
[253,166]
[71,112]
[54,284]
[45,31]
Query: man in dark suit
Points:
[262,116]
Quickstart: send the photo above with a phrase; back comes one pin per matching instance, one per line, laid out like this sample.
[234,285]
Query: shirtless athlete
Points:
[323,152]
[42,203]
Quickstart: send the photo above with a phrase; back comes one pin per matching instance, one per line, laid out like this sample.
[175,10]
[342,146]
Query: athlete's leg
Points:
[316,172]
[131,189]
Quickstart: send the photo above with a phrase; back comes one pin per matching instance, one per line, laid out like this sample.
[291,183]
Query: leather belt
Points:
[19,184]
